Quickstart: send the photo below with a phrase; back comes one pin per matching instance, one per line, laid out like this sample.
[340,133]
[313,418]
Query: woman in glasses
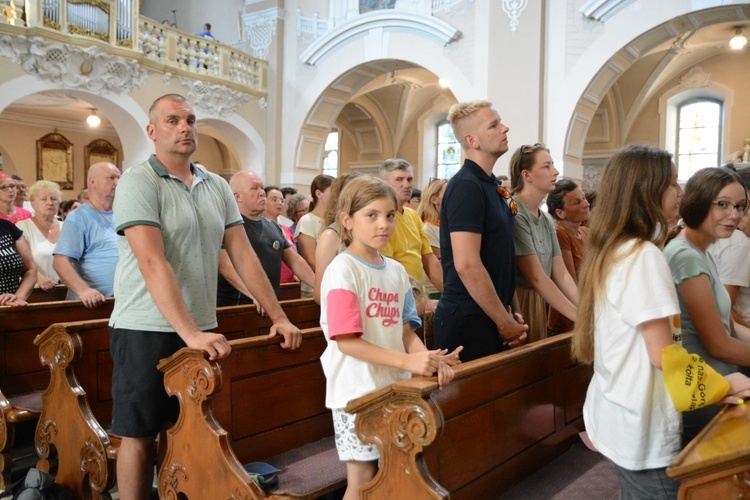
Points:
[639,387]
[275,206]
[714,203]
[8,208]
[542,277]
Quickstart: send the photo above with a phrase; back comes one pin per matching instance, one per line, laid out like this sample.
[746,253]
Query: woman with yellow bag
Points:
[642,379]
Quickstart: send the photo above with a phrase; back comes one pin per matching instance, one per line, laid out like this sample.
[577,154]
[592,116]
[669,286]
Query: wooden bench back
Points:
[290,291]
[20,371]
[77,404]
[56,294]
[500,418]
[259,401]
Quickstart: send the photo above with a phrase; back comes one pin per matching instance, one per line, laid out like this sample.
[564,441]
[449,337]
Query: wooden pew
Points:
[716,464]
[77,405]
[289,291]
[56,294]
[261,403]
[501,418]
[21,377]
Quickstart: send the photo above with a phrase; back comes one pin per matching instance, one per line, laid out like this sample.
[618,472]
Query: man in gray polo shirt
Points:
[174,218]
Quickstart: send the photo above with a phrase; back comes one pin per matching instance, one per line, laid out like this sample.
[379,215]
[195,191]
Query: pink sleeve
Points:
[343,313]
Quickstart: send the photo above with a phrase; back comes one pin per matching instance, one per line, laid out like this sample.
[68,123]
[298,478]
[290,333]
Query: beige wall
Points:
[731,70]
[19,150]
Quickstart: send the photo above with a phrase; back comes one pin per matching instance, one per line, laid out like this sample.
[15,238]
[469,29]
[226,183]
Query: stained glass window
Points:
[449,152]
[331,159]
[698,136]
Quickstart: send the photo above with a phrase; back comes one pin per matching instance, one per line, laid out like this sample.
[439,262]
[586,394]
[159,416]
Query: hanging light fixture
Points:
[738,40]
[93,119]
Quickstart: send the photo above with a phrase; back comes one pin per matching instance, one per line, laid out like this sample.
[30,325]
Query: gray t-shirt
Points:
[534,236]
[192,223]
[686,261]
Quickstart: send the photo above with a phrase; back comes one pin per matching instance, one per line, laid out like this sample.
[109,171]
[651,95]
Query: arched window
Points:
[699,135]
[448,151]
[331,158]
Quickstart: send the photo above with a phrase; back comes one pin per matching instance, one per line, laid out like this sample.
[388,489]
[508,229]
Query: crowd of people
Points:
[500,262]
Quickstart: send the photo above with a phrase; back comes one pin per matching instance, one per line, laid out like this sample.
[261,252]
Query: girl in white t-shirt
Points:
[624,327]
[368,315]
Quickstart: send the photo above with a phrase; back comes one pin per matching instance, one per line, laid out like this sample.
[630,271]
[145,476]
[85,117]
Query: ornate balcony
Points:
[117,28]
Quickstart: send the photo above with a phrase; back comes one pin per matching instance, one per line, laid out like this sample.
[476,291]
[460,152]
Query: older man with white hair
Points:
[267,240]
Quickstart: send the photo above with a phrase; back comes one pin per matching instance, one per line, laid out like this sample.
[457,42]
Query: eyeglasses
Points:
[303,211]
[276,199]
[526,149]
[512,205]
[8,187]
[726,207]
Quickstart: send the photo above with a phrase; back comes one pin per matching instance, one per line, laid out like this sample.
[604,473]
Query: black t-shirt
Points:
[11,264]
[269,244]
[471,203]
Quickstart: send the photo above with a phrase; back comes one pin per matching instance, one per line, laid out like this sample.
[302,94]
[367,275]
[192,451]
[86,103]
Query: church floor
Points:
[577,473]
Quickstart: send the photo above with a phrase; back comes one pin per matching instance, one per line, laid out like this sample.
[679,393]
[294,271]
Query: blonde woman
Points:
[42,230]
[429,212]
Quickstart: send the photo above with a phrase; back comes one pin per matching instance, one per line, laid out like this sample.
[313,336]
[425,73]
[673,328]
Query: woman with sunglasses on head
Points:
[639,387]
[542,277]
[8,209]
[715,201]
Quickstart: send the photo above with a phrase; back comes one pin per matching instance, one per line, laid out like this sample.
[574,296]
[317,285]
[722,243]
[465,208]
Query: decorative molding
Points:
[383,20]
[260,28]
[603,10]
[514,8]
[450,7]
[695,78]
[71,66]
[310,28]
[214,98]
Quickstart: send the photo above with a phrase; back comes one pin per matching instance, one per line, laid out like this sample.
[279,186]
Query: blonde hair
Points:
[426,210]
[630,196]
[461,110]
[356,195]
[44,185]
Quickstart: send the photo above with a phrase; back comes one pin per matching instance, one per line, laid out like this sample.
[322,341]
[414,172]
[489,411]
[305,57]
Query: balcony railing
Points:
[118,24]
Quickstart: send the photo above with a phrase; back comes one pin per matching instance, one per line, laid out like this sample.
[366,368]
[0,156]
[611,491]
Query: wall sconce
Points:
[738,40]
[93,119]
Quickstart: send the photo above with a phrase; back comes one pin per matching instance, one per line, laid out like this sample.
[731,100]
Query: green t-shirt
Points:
[192,223]
[534,236]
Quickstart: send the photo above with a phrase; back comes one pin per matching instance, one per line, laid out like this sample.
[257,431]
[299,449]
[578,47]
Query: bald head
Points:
[249,194]
[153,111]
[102,182]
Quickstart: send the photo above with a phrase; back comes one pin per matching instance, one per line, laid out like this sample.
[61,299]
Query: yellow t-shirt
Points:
[408,243]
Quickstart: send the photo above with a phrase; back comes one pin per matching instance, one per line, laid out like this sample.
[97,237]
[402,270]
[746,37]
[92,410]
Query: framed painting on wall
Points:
[54,160]
[97,151]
